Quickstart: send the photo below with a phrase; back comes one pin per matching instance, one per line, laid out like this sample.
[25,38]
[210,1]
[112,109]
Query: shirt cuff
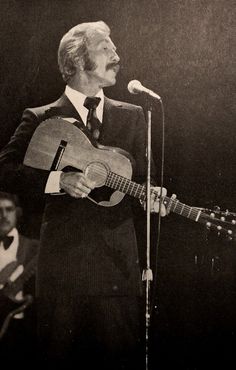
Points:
[53,183]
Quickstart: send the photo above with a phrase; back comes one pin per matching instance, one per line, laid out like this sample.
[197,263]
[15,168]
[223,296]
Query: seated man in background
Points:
[18,258]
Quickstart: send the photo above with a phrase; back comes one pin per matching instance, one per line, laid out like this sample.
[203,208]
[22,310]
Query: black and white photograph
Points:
[118,184]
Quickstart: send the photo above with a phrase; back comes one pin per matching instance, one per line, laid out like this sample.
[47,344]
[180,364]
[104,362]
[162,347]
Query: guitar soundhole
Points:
[97,172]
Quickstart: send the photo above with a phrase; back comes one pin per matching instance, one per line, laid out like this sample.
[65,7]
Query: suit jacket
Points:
[85,248]
[20,335]
[26,251]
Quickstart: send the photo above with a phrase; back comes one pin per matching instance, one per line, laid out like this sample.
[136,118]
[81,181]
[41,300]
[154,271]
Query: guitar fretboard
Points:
[129,187]
[126,186]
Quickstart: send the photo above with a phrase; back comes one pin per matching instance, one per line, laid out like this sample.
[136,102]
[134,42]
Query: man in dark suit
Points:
[18,260]
[89,282]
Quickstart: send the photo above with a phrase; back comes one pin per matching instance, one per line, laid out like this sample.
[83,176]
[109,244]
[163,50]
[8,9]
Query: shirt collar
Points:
[14,233]
[77,99]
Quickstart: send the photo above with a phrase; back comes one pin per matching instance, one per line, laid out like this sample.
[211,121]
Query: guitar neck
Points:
[14,287]
[126,186]
[138,191]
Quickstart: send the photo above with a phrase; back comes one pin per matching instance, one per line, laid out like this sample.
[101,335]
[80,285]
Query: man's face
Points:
[8,217]
[104,61]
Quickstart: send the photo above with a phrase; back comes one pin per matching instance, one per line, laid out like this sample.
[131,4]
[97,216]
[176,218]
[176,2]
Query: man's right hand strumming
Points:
[76,184]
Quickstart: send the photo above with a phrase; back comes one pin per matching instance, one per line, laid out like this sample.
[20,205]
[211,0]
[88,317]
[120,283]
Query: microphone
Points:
[135,87]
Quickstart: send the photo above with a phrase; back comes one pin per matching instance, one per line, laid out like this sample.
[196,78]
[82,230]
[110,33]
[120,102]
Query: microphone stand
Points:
[147,275]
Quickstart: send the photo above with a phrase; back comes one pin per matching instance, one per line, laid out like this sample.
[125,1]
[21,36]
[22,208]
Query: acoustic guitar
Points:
[59,142]
[9,305]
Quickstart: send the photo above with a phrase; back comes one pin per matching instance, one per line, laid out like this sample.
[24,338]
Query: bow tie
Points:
[6,240]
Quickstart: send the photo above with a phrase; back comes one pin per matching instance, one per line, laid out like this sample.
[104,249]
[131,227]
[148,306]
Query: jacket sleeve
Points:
[15,177]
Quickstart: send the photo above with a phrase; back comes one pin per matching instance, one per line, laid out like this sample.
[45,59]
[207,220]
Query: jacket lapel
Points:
[63,108]
[21,252]
[112,116]
[112,121]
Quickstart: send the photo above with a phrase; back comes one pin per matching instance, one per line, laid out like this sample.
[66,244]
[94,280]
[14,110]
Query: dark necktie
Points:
[93,122]
[6,240]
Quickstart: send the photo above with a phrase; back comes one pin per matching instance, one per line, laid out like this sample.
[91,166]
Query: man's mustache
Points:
[113,65]
[3,221]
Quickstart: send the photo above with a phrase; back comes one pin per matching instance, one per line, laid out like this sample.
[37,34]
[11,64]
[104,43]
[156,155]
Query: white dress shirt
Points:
[77,99]
[9,255]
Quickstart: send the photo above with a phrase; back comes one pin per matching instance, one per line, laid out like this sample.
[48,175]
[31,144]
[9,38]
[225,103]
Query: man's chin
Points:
[113,82]
[110,82]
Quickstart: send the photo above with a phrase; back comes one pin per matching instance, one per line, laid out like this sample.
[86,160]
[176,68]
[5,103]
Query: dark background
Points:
[183,50]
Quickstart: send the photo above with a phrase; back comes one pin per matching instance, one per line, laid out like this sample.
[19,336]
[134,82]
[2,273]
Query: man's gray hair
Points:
[74,45]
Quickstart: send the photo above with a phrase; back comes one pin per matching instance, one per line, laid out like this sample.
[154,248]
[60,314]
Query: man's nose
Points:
[115,57]
[3,213]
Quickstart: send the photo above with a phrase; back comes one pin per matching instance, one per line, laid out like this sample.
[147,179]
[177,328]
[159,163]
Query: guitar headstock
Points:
[222,222]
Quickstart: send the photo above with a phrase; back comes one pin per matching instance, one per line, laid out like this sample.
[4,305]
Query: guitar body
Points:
[58,137]
[9,305]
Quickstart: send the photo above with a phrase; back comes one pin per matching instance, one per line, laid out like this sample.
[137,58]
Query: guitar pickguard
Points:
[102,194]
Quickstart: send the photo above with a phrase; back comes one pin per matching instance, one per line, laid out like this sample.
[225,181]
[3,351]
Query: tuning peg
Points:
[216,209]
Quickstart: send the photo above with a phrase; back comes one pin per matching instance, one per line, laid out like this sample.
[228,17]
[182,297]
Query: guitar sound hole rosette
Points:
[97,172]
